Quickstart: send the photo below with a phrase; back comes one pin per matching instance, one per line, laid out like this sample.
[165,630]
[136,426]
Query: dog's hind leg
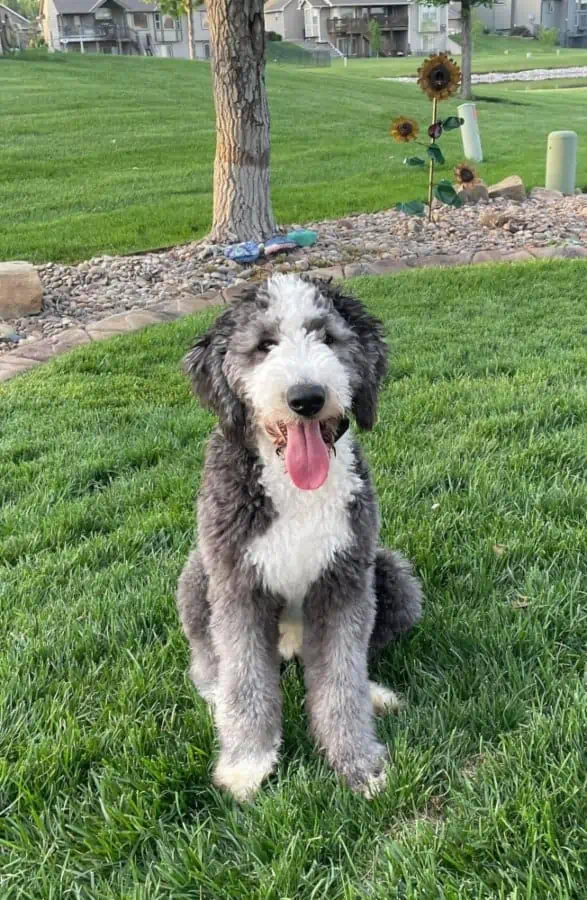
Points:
[399,606]
[398,596]
[194,612]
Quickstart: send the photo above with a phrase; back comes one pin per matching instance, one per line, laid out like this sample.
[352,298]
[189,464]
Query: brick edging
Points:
[29,355]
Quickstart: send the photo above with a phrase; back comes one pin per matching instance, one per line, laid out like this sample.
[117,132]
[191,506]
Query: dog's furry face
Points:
[288,335]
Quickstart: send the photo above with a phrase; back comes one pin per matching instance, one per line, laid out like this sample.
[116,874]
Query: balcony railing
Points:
[398,19]
[100,31]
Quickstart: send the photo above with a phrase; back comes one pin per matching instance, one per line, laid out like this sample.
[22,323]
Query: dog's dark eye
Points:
[266,345]
[328,340]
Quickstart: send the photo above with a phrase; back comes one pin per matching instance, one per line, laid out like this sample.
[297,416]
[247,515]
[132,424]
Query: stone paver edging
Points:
[32,354]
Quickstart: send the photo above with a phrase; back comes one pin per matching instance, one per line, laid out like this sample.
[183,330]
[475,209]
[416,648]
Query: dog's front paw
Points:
[243,778]
[374,785]
[291,635]
[367,775]
[383,699]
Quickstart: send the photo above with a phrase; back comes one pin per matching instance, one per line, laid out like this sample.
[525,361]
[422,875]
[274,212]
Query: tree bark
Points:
[467,50]
[242,203]
[190,17]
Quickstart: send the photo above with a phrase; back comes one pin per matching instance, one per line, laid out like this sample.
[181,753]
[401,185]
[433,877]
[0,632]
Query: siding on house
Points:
[569,17]
[526,13]
[426,29]
[49,23]
[129,27]
[293,22]
[283,17]
[19,26]
[530,14]
[496,18]
[16,20]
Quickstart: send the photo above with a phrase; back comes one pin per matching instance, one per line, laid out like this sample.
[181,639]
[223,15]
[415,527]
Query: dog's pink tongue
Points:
[306,457]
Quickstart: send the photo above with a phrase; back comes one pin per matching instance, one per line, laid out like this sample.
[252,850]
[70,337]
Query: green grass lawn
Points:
[479,457]
[112,155]
[490,54]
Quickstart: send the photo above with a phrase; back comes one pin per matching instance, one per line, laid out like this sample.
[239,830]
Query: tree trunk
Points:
[190,17]
[242,204]
[467,50]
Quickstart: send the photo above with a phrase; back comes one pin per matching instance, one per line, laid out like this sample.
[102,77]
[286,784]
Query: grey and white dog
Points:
[287,562]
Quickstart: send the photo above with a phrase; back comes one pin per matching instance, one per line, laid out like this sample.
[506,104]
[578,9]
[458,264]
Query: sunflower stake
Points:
[439,77]
[431,165]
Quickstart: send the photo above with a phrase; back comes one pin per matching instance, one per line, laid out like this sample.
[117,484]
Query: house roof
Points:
[6,9]
[276,5]
[80,7]
[318,4]
[337,3]
[356,3]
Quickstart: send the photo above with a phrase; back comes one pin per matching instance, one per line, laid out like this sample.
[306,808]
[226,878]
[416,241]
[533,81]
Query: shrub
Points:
[477,29]
[272,36]
[547,37]
[520,31]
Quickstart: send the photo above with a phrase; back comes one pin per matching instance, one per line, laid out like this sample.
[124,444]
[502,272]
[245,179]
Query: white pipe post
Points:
[470,132]
[561,161]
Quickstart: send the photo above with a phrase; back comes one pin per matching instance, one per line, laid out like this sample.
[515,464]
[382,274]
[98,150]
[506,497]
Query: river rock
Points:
[21,291]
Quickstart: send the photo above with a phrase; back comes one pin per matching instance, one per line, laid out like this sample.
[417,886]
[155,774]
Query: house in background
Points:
[454,20]
[344,25]
[569,17]
[283,17]
[124,27]
[15,30]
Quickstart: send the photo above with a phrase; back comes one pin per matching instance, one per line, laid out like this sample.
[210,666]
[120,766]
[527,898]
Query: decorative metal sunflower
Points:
[466,175]
[404,130]
[439,77]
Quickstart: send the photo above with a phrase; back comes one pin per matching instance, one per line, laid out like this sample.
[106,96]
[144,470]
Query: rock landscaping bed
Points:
[525,75]
[92,299]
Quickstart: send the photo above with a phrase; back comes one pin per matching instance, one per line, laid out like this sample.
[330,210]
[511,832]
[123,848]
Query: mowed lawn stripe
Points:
[116,155]
[479,458]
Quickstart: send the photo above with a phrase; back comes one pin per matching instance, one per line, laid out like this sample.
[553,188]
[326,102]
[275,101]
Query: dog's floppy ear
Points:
[204,366]
[372,362]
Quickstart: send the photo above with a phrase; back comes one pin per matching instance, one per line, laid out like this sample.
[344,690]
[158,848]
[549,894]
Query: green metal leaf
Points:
[413,208]
[414,161]
[445,192]
[434,152]
[452,122]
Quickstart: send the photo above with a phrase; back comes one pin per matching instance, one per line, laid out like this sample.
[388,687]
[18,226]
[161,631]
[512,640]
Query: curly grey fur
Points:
[360,602]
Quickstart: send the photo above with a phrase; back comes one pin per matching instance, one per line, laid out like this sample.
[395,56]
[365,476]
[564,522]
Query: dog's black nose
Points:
[306,399]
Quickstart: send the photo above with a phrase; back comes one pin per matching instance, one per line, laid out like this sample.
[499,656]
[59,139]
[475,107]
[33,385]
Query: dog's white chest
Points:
[310,529]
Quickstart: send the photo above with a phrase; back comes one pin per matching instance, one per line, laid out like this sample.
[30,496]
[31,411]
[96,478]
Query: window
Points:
[157,21]
[204,20]
[140,20]
[102,14]
[428,19]
[169,23]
